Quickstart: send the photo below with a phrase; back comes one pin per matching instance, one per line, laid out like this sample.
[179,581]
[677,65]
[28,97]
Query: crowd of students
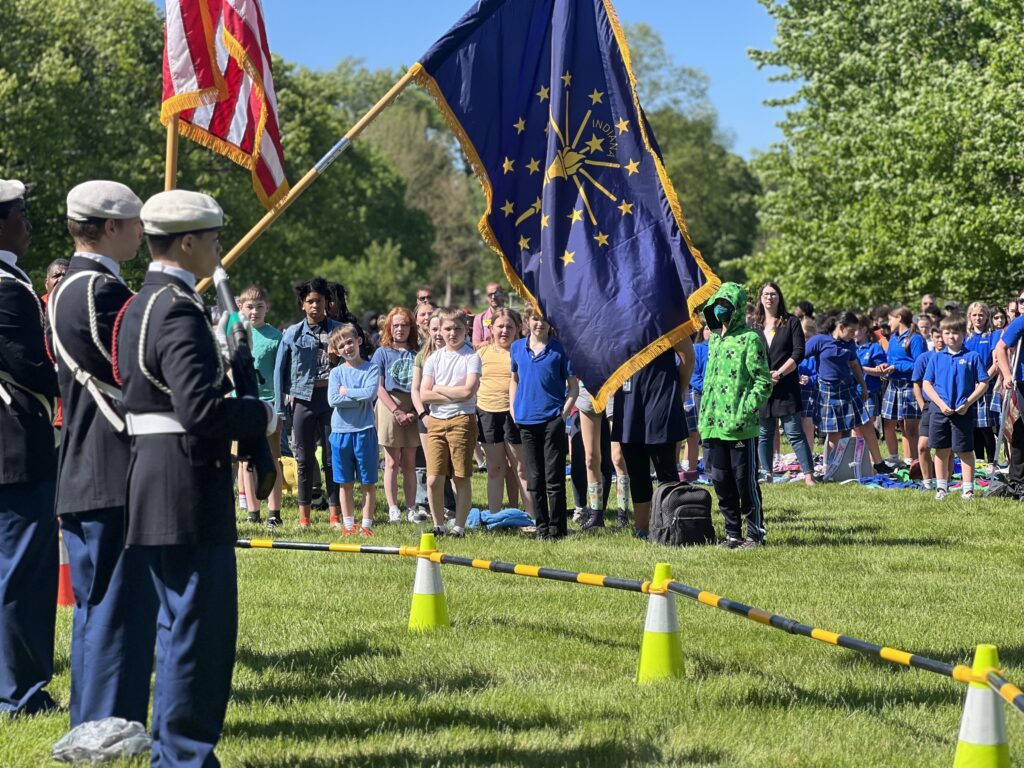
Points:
[440,395]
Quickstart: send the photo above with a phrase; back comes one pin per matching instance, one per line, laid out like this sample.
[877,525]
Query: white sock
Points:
[350,521]
[941,485]
[367,523]
[927,483]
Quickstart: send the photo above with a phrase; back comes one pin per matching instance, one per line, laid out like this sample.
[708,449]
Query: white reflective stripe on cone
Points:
[64,559]
[983,722]
[428,578]
[661,615]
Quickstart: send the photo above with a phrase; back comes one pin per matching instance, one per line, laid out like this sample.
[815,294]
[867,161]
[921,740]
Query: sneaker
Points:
[730,542]
[420,516]
[622,519]
[763,477]
[968,495]
[438,530]
[367,532]
[273,522]
[303,523]
[580,516]
[348,531]
[528,530]
[596,520]
[641,533]
[335,522]
[253,517]
[883,468]
[394,515]
[457,533]
[751,544]
[941,494]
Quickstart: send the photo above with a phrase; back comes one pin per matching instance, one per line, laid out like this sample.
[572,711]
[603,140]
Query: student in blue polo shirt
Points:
[1007,346]
[542,394]
[955,379]
[916,380]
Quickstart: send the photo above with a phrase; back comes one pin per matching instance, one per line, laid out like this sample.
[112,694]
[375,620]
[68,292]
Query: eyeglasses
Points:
[422,299]
[769,294]
[492,294]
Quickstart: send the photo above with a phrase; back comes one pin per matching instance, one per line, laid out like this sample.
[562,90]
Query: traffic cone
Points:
[982,742]
[429,609]
[65,595]
[661,655]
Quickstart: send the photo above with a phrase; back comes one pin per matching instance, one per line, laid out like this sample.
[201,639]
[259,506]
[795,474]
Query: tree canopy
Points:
[901,167]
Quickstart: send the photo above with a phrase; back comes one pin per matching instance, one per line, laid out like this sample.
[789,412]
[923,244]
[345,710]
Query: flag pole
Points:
[311,175]
[171,155]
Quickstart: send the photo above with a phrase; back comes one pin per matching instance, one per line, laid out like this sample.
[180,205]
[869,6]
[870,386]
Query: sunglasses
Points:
[1020,299]
[422,299]
[492,294]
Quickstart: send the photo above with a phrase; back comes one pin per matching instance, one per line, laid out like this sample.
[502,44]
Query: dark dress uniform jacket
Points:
[784,399]
[93,461]
[180,485]
[27,447]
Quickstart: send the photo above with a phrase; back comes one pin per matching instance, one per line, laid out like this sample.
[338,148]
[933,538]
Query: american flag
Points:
[218,79]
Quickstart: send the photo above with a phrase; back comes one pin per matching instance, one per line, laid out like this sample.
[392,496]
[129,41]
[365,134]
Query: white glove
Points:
[220,334]
[271,419]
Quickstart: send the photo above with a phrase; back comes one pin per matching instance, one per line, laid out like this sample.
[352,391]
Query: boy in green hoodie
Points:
[736,384]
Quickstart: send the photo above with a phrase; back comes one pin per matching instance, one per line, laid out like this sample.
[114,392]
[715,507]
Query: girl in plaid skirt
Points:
[982,339]
[840,403]
[899,408]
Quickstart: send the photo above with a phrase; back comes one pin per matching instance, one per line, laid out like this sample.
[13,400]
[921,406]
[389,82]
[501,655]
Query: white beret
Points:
[179,210]
[11,189]
[102,200]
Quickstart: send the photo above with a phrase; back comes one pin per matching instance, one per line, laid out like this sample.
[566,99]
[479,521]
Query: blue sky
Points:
[712,35]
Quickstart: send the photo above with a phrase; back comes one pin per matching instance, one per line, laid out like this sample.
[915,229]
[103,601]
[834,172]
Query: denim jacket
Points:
[298,357]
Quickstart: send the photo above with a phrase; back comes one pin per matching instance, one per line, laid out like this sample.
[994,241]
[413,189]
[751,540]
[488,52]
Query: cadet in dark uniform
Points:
[28,467]
[180,496]
[114,622]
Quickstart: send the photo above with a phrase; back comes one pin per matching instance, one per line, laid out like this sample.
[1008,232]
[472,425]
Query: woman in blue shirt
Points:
[899,408]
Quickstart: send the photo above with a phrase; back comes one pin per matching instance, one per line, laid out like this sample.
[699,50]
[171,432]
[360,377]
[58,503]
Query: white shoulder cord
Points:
[145,327]
[95,387]
[5,396]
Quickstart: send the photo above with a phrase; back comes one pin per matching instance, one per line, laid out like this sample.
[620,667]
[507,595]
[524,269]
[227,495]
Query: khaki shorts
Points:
[450,446]
[389,433]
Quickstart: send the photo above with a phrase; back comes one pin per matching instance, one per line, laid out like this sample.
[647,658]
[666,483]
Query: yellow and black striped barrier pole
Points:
[959,672]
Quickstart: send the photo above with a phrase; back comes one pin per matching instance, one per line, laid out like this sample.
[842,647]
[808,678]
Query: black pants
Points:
[639,457]
[311,422]
[544,451]
[1016,475]
[732,466]
[985,444]
[578,462]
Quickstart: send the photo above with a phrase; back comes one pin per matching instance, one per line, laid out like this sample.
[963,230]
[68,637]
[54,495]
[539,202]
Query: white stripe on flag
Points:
[240,119]
[269,155]
[179,58]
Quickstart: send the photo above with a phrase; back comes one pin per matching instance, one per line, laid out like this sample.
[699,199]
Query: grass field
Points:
[538,673]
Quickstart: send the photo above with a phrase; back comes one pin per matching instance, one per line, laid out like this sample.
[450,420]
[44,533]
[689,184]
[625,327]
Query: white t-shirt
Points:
[451,369]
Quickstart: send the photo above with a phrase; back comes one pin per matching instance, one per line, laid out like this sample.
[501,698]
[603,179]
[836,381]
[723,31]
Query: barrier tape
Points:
[958,672]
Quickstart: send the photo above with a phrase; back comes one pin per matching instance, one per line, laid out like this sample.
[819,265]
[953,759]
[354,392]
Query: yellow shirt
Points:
[495,379]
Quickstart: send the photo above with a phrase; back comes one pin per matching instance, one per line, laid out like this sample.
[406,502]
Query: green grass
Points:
[537,673]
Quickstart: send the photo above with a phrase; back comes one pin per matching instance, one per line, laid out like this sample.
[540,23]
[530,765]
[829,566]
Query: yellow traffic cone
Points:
[982,742]
[429,609]
[661,655]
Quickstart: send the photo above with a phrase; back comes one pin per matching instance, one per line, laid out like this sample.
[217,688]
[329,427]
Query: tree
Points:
[901,165]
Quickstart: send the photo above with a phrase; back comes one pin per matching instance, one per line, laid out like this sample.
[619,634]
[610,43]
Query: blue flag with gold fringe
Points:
[579,207]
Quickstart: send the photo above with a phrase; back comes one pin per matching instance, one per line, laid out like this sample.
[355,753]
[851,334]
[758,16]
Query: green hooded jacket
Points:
[737,381]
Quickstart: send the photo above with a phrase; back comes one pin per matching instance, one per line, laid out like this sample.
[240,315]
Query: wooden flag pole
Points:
[311,175]
[171,155]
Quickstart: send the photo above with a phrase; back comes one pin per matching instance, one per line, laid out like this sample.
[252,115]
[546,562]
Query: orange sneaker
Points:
[335,522]
[366,532]
[303,522]
[349,531]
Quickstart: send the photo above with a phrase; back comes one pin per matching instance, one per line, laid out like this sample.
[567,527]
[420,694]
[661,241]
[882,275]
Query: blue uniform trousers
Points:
[197,627]
[114,624]
[28,595]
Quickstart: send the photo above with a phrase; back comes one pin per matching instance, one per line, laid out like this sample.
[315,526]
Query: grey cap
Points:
[103,200]
[11,189]
[180,210]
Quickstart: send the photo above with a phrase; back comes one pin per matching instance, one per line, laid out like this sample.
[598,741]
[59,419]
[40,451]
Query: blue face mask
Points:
[723,314]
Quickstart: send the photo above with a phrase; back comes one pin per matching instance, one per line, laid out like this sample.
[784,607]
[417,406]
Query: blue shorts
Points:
[354,456]
[956,432]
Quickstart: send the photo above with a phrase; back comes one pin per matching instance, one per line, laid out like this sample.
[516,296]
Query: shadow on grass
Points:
[827,539]
[831,529]
[425,718]
[312,660]
[557,631]
[602,753]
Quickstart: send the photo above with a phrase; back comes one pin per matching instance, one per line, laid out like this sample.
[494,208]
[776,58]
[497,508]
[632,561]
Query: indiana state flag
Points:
[588,227]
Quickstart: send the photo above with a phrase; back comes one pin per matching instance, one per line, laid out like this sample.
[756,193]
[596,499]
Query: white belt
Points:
[153,424]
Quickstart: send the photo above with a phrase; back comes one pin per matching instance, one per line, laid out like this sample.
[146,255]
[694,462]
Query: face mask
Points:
[718,315]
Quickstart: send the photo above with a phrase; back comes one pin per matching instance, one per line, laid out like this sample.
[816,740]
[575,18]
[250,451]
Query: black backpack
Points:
[681,515]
